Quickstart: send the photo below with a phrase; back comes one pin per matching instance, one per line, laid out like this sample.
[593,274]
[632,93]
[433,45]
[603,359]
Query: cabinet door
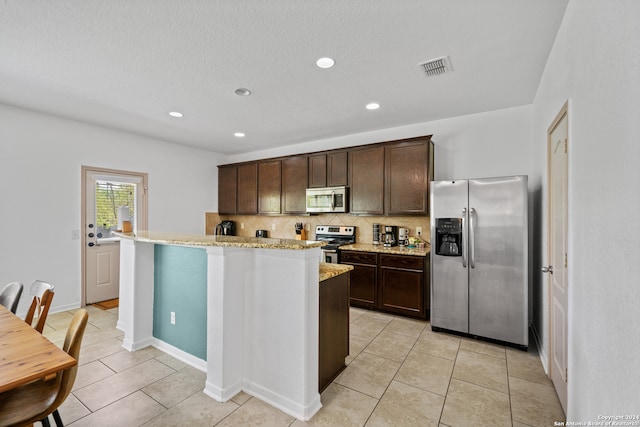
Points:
[294,184]
[407,178]
[366,180]
[318,170]
[269,187]
[333,340]
[402,285]
[364,277]
[227,189]
[337,167]
[247,199]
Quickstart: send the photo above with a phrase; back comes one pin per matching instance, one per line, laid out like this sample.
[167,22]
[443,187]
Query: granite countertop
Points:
[327,271]
[225,241]
[394,250]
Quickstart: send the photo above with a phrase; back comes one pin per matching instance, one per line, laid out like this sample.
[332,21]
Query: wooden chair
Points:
[37,400]
[10,296]
[42,293]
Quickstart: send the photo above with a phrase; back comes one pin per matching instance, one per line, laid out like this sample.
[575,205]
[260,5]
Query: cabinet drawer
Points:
[358,257]
[402,261]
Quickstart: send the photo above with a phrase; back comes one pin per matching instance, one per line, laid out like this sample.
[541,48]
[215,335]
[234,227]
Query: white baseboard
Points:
[286,405]
[544,357]
[181,355]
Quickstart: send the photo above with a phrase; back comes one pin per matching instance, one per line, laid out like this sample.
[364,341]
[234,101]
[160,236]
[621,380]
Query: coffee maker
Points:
[403,236]
[378,237]
[390,235]
[226,228]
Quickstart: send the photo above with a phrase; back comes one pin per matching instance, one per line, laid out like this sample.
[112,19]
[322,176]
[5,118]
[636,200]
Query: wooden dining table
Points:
[25,354]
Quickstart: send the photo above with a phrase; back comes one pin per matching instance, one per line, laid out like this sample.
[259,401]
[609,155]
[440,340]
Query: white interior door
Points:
[102,200]
[558,145]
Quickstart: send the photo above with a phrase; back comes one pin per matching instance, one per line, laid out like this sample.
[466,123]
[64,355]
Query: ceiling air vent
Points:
[436,66]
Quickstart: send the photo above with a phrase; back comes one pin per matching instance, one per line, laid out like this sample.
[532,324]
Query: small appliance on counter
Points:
[390,235]
[335,236]
[403,236]
[226,228]
[377,236]
[262,233]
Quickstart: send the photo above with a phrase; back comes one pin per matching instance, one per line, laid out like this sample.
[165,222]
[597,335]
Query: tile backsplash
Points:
[285,225]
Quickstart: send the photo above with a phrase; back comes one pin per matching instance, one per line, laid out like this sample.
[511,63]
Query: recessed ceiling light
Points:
[325,62]
[175,114]
[239,135]
[243,91]
[373,106]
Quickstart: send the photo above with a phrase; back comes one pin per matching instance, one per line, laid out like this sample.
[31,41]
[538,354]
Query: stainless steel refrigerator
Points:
[479,258]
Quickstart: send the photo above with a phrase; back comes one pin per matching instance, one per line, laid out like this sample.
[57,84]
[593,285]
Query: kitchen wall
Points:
[285,225]
[594,64]
[40,160]
[496,143]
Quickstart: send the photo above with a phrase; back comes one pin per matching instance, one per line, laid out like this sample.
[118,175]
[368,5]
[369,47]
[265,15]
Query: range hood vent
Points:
[436,66]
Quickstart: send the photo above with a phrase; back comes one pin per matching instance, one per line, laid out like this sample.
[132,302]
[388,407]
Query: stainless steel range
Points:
[335,236]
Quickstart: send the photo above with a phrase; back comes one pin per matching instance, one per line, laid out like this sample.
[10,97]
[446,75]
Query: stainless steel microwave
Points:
[327,199]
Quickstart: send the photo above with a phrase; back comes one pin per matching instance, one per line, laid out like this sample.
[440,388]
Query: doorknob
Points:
[547,269]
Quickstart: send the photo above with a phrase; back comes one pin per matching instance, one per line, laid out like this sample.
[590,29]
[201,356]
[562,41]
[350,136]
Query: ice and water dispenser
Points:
[449,236]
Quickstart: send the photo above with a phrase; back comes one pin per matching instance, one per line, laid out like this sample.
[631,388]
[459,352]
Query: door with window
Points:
[110,198]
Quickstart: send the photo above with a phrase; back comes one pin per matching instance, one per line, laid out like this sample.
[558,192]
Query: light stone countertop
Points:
[393,250]
[328,271]
[170,238]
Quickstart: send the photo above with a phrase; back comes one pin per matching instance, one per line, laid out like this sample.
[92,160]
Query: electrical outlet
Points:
[273,227]
[419,231]
[242,226]
[307,227]
[173,317]
[75,234]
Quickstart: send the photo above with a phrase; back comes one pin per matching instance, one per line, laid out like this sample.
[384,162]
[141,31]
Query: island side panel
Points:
[180,287]
[135,312]
[281,334]
[226,282]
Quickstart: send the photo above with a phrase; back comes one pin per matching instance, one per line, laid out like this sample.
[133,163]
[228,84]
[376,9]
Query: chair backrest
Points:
[42,293]
[10,296]
[72,343]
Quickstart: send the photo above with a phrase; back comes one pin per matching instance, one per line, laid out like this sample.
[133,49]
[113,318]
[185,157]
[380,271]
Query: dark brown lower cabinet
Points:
[402,285]
[396,284]
[364,277]
[333,345]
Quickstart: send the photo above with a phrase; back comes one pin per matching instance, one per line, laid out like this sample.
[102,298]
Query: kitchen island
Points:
[261,311]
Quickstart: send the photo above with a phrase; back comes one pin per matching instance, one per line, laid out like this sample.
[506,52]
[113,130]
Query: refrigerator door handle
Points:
[464,239]
[472,238]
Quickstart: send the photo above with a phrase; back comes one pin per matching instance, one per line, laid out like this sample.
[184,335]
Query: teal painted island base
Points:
[261,311]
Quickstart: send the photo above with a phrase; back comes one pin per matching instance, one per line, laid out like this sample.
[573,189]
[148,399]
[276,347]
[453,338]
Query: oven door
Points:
[330,256]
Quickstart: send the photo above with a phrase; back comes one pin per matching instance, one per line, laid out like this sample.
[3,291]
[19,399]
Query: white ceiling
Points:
[126,64]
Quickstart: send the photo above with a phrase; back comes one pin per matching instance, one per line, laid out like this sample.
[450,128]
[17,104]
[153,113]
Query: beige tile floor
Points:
[399,373]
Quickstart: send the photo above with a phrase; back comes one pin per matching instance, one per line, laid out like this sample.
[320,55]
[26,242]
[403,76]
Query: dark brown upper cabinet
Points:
[294,184]
[227,189]
[328,169]
[408,172]
[318,170]
[388,178]
[269,187]
[247,201]
[337,168]
[366,180]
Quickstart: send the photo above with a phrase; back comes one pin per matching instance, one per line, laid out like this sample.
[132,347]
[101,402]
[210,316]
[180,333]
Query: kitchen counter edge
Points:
[185,239]
[393,250]
[328,271]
